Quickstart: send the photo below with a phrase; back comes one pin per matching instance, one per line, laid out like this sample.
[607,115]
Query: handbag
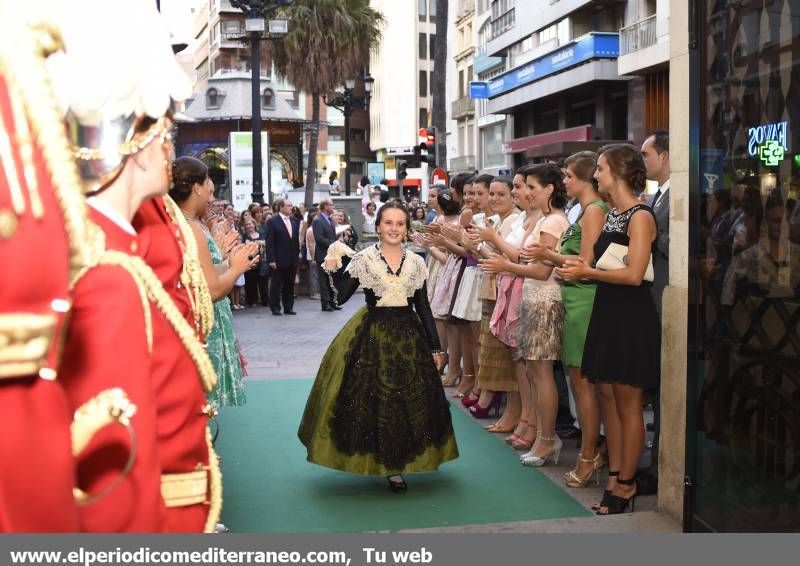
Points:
[616,257]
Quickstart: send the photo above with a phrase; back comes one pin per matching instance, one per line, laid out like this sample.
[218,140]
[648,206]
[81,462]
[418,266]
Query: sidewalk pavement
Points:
[291,347]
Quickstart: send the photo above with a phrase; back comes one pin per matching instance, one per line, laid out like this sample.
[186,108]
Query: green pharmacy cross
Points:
[771,153]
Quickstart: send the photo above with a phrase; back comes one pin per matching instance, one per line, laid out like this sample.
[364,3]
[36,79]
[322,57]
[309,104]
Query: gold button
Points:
[134,247]
[8,224]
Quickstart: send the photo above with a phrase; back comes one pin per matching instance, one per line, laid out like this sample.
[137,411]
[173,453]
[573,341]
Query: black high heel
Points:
[606,493]
[616,504]
[397,486]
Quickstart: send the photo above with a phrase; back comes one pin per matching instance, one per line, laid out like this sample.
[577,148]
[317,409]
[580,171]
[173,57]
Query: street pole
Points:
[347,111]
[255,122]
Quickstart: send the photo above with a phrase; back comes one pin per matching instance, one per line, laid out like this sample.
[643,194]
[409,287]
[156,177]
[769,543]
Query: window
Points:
[295,101]
[461,83]
[423,83]
[230,26]
[423,10]
[357,168]
[423,47]
[268,98]
[335,134]
[214,98]
[492,144]
[432,50]
[358,134]
[423,117]
[432,10]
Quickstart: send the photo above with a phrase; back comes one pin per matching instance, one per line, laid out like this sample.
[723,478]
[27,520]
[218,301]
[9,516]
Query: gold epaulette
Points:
[192,276]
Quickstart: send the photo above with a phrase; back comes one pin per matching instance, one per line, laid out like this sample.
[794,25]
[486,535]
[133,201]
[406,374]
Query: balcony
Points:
[463,107]
[638,36]
[465,163]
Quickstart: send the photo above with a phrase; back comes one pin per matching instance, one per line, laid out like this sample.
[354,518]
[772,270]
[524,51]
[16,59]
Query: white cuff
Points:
[336,251]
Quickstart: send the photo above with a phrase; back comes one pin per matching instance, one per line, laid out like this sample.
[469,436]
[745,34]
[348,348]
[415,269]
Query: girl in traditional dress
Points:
[377,406]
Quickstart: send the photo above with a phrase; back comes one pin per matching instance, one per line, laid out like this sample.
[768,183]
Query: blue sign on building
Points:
[595,45]
[478,89]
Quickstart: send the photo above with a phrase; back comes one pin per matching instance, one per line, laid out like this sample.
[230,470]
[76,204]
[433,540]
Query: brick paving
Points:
[289,347]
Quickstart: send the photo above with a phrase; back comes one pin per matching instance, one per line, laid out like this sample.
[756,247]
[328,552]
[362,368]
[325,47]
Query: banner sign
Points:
[241,167]
[594,45]
[478,89]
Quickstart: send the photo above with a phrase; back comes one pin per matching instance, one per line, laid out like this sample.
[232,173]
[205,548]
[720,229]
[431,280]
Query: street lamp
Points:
[256,12]
[346,102]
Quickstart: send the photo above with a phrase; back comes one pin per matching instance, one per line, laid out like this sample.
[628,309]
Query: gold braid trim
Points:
[125,261]
[192,275]
[150,287]
[24,44]
[215,486]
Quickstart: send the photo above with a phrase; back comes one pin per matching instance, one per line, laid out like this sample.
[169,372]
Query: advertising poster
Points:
[376,171]
[241,168]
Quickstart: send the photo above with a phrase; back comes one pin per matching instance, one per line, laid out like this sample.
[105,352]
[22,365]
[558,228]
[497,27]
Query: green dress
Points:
[222,348]
[377,406]
[578,297]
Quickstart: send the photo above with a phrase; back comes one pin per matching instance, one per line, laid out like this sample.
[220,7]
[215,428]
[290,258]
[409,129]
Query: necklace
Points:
[388,266]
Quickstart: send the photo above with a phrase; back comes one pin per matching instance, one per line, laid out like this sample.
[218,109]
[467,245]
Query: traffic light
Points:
[402,169]
[427,149]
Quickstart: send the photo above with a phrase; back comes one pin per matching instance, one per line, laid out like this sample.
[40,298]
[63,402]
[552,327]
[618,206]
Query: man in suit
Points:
[655,152]
[324,236]
[283,249]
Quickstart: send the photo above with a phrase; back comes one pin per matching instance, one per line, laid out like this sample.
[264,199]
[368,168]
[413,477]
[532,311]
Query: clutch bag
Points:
[616,257]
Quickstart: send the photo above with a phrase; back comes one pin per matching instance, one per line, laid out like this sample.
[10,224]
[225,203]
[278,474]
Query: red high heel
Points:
[471,399]
[483,412]
[514,437]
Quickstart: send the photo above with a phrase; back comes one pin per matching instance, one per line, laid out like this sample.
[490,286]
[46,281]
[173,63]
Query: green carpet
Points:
[270,488]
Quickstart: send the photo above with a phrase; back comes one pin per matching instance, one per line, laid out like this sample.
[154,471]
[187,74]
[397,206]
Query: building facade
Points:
[462,108]
[560,90]
[399,106]
[644,55]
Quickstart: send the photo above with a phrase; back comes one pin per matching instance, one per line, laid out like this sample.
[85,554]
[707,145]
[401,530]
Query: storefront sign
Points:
[595,45]
[768,142]
[241,167]
[478,89]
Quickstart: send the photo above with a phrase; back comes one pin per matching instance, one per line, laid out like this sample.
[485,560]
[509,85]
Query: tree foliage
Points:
[328,41]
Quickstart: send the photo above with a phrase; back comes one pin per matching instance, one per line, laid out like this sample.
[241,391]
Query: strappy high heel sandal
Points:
[606,493]
[459,394]
[533,461]
[616,504]
[451,382]
[521,443]
[572,479]
[514,437]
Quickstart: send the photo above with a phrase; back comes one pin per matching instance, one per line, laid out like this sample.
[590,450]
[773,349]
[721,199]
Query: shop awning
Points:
[578,133]
[565,148]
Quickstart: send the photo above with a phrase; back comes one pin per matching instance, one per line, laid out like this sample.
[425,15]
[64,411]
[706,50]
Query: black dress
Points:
[623,342]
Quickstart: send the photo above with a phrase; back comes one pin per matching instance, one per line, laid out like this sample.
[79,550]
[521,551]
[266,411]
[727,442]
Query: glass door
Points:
[743,444]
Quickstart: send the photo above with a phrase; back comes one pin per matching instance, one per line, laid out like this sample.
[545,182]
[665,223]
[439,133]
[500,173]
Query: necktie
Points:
[655,198]
[288,225]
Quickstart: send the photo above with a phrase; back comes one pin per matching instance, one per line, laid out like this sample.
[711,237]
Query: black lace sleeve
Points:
[342,283]
[423,309]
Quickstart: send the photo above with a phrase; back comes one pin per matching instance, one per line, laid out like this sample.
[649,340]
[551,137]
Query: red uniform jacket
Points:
[180,397]
[107,347]
[36,472]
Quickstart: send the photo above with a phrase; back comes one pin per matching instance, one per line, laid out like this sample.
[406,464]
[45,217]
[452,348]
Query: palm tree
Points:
[328,41]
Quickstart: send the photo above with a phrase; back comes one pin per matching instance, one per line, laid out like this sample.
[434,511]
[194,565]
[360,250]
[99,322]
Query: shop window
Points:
[744,283]
[423,47]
